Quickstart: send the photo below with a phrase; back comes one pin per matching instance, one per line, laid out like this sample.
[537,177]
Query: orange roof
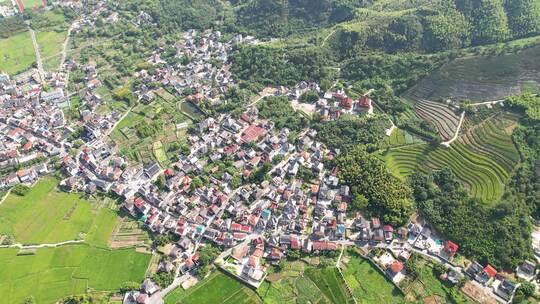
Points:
[396,267]
[490,271]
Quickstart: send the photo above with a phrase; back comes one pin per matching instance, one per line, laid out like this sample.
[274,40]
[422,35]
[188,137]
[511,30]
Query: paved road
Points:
[157,298]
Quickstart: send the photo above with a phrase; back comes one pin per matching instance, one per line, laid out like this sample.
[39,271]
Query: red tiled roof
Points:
[365,102]
[252,133]
[396,267]
[451,247]
[490,271]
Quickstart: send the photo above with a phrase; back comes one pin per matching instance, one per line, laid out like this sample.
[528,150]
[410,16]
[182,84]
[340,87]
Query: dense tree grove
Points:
[490,23]
[526,182]
[499,235]
[350,131]
[277,66]
[280,111]
[11,26]
[445,25]
[525,17]
[388,197]
[528,103]
[447,29]
[279,18]
[400,71]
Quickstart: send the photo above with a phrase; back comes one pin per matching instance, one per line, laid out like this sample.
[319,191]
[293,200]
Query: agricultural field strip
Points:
[440,115]
[479,175]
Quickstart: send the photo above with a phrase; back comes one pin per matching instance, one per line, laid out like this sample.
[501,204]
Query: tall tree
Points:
[447,29]
[523,17]
[388,197]
[490,22]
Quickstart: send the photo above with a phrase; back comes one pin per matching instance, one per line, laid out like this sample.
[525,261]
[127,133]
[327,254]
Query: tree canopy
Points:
[388,197]
[499,235]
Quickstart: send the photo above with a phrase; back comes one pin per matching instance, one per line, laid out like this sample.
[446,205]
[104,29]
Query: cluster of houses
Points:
[244,185]
[32,128]
[7,9]
[335,104]
[200,69]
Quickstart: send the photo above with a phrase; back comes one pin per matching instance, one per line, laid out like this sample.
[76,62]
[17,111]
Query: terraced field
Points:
[493,139]
[482,78]
[444,119]
[482,159]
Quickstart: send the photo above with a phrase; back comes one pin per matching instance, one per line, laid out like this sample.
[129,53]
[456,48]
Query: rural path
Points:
[327,36]
[447,143]
[157,298]
[38,54]
[487,102]
[65,44]
[22,246]
[264,93]
[389,131]
[5,196]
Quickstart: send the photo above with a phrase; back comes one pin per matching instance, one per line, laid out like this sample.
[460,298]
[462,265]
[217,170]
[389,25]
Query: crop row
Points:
[444,119]
[481,176]
[491,139]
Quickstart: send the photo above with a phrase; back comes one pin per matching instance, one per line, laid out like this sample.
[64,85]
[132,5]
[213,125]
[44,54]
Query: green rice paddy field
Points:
[31,3]
[53,273]
[47,215]
[16,53]
[217,288]
[368,285]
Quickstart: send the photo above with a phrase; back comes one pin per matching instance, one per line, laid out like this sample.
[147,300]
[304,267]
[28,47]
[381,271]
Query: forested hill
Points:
[415,25]
[280,18]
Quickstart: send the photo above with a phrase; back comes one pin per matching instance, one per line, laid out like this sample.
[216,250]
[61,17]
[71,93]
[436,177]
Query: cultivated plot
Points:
[16,53]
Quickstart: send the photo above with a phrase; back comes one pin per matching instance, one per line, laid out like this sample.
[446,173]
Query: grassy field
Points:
[300,283]
[368,285]
[47,215]
[482,77]
[31,3]
[291,286]
[50,45]
[331,284]
[53,273]
[401,138]
[217,288]
[16,53]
